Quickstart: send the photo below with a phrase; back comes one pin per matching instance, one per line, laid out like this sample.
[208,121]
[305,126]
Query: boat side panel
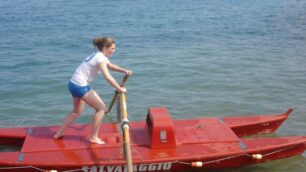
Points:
[13,132]
[12,136]
[259,124]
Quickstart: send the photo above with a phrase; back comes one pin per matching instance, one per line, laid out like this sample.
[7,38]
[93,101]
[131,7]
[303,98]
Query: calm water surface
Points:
[196,57]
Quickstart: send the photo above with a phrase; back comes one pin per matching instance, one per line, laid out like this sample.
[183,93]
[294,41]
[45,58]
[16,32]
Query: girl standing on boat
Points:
[80,89]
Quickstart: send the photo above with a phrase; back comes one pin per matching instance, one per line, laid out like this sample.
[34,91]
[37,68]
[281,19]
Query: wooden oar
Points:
[116,94]
[126,133]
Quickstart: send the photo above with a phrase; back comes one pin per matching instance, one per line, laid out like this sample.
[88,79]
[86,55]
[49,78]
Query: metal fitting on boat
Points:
[257,156]
[125,123]
[197,164]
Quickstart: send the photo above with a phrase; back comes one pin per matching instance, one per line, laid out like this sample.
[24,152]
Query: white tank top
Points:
[89,69]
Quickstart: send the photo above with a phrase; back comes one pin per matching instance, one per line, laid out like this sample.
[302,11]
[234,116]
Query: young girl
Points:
[80,89]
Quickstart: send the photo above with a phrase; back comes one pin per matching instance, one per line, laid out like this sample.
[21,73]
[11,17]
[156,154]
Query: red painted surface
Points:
[248,125]
[158,144]
[160,129]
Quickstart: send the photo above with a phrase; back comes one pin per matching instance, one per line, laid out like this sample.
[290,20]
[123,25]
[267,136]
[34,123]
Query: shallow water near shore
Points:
[197,58]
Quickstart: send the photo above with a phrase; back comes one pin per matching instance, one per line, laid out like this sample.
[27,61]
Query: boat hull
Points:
[158,144]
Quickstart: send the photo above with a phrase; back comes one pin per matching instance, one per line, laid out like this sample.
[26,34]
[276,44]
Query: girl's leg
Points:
[78,107]
[94,101]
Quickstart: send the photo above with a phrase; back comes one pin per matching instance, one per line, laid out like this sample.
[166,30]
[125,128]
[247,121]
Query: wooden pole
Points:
[126,133]
[115,97]
[119,112]
[116,94]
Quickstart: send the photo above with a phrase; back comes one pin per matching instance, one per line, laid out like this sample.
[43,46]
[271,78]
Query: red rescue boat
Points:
[157,144]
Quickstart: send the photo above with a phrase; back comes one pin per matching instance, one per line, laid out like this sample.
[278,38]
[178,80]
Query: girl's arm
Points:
[119,69]
[109,78]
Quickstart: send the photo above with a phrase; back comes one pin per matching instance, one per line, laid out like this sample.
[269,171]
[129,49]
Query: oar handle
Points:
[125,78]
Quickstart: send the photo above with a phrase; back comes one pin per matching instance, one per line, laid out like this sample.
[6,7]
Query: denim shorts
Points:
[78,91]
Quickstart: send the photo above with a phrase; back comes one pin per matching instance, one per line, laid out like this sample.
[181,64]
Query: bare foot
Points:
[58,135]
[96,141]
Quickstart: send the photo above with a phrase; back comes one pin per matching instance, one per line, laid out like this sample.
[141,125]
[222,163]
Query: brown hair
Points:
[100,43]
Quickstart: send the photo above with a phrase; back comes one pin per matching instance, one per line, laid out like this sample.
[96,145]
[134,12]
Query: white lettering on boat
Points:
[123,168]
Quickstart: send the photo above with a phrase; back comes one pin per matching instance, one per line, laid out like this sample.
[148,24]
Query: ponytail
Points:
[100,43]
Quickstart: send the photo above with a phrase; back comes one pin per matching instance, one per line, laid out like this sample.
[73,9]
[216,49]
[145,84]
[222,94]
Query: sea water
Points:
[198,58]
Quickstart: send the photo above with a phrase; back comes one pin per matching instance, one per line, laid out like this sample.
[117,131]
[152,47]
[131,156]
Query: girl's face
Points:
[108,52]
